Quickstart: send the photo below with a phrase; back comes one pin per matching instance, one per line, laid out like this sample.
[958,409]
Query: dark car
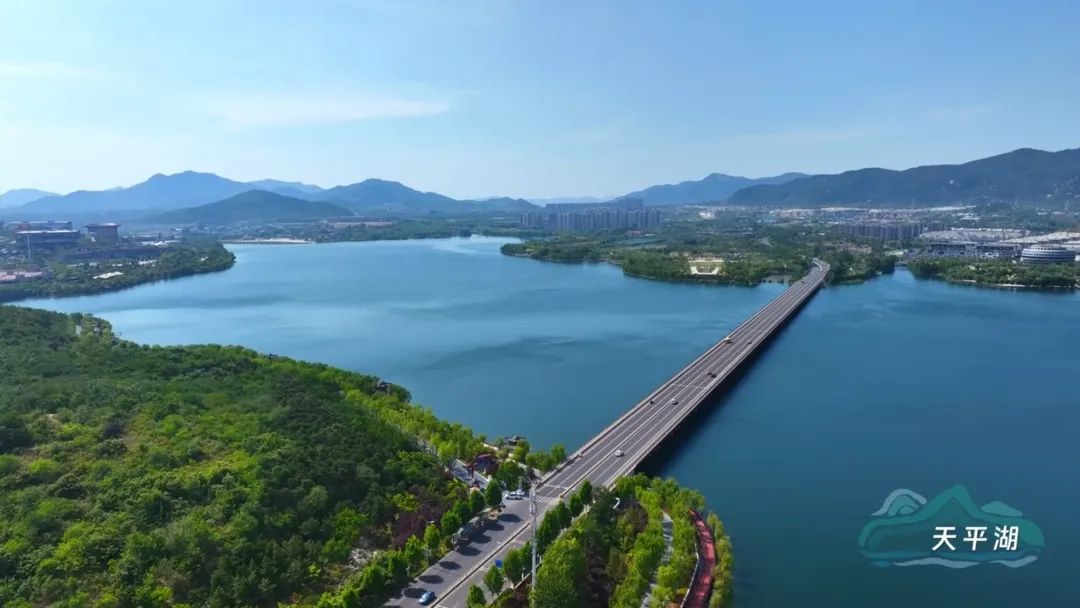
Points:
[427,598]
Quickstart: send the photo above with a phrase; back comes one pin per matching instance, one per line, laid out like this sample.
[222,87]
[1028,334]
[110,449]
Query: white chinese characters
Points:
[944,535]
[1006,538]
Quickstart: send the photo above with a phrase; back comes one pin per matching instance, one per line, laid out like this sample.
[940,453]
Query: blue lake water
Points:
[896,383]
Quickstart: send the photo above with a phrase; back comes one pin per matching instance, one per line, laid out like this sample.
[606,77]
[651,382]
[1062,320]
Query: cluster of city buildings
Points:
[613,215]
[53,234]
[973,235]
[1000,244]
[15,276]
[888,231]
[866,214]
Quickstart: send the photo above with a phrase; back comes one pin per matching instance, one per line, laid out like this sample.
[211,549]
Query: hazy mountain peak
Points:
[253,206]
[711,188]
[295,189]
[159,191]
[1025,175]
[21,196]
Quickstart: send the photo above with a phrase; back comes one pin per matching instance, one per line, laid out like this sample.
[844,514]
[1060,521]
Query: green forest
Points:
[133,475]
[78,279]
[995,272]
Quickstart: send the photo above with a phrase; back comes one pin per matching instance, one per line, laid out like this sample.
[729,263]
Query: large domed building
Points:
[1047,254]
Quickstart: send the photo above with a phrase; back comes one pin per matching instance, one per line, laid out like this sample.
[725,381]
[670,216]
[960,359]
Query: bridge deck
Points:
[634,435]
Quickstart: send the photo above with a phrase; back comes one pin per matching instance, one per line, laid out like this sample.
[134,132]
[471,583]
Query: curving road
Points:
[633,436]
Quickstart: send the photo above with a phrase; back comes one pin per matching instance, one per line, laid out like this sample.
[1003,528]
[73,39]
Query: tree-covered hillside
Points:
[253,206]
[133,475]
[1026,176]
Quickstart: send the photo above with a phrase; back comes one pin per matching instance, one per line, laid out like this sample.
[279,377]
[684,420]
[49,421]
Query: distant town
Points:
[704,242]
[963,223]
[55,258]
[948,232]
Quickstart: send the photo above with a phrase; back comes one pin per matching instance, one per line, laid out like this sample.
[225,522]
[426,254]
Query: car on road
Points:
[712,373]
[514,495]
[427,598]
[619,453]
[727,340]
[674,401]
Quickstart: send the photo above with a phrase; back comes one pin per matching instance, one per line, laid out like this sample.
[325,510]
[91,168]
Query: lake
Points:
[896,383]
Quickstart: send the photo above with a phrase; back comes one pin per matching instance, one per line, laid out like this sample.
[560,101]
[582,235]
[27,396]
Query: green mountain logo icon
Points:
[949,530]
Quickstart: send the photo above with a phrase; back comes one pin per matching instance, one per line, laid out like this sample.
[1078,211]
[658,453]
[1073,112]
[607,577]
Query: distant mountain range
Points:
[714,187]
[296,189]
[21,196]
[253,206]
[382,197]
[1023,176]
[160,193]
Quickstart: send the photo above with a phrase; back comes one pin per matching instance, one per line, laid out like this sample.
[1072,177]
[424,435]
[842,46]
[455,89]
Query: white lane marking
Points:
[768,326]
[630,430]
[735,360]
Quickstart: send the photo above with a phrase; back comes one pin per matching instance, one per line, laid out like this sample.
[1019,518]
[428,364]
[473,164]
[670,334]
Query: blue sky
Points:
[524,98]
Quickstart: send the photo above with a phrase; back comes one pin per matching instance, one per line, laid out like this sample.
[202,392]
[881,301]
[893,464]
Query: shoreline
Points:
[689,279]
[112,284]
[106,288]
[269,241]
[1002,286]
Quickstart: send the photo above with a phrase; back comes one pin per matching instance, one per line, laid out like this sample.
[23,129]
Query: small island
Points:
[714,252]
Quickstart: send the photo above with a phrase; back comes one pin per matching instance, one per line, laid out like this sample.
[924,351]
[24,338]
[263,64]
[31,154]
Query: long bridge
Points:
[615,451]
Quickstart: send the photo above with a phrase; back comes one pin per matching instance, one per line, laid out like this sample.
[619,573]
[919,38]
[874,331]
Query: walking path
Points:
[698,596]
[668,526]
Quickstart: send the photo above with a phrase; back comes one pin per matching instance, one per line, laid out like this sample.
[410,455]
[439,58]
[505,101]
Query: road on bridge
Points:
[633,436]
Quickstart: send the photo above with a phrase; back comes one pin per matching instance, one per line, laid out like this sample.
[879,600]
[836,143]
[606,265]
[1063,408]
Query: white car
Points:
[674,401]
[619,453]
[514,495]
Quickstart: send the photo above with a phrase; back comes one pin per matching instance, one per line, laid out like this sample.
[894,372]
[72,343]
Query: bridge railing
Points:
[652,395]
[632,462]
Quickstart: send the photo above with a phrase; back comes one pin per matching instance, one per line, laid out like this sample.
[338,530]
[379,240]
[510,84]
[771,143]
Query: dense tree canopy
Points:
[998,272]
[722,251]
[75,279]
[204,476]
[615,552]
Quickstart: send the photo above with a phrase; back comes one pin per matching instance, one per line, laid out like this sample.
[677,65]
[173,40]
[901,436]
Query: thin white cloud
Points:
[275,110]
[44,70]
